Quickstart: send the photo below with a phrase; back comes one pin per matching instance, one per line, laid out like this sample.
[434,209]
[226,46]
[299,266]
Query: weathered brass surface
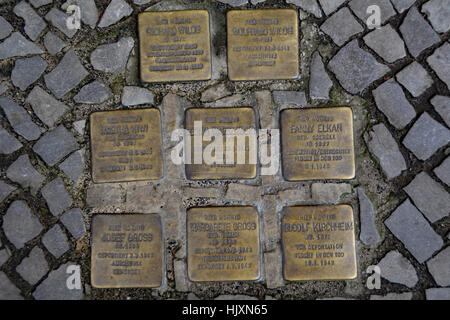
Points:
[263,44]
[223,244]
[223,119]
[317,143]
[126,145]
[127,251]
[318,243]
[175,46]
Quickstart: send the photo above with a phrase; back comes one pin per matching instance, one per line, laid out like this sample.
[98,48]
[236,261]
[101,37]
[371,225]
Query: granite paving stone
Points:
[369,234]
[290,98]
[391,100]
[439,61]
[56,241]
[112,57]
[359,7]
[27,70]
[329,6]
[116,10]
[34,24]
[443,171]
[4,256]
[55,145]
[53,43]
[132,96]
[234,3]
[5,28]
[66,76]
[310,6]
[415,79]
[355,68]
[8,291]
[18,46]
[387,43]
[437,294]
[73,166]
[88,10]
[341,26]
[93,93]
[74,222]
[402,5]
[319,82]
[439,267]
[33,267]
[397,269]
[417,33]
[429,197]
[426,137]
[58,19]
[23,172]
[45,106]
[56,196]
[438,13]
[8,143]
[442,106]
[20,224]
[414,231]
[40,3]
[5,191]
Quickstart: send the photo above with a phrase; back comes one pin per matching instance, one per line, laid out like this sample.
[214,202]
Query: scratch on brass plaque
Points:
[317,143]
[263,44]
[223,244]
[126,251]
[318,243]
[175,46]
[126,145]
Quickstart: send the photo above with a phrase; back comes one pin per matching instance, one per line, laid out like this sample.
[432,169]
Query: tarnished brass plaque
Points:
[126,145]
[240,141]
[317,143]
[263,44]
[127,251]
[175,46]
[318,243]
[223,244]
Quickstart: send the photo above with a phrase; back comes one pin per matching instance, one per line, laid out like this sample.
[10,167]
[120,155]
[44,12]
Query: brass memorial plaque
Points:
[236,154]
[263,44]
[126,145]
[127,251]
[318,243]
[175,46]
[317,143]
[223,244]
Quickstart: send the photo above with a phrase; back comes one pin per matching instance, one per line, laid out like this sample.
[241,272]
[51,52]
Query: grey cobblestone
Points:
[55,145]
[341,26]
[396,268]
[329,6]
[132,96]
[393,296]
[8,143]
[402,5]
[310,6]
[5,28]
[5,191]
[56,241]
[319,82]
[74,165]
[56,196]
[73,221]
[387,43]
[17,46]
[359,7]
[443,171]
[95,92]
[438,13]
[290,98]
[116,10]
[53,44]
[27,70]
[22,172]
[89,11]
[8,291]
[369,234]
[46,107]
[439,61]
[439,267]
[112,57]
[438,294]
[442,106]
[415,79]
[34,24]
[59,20]
[33,267]
[234,3]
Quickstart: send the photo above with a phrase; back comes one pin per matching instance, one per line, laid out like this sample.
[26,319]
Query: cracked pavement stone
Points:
[341,26]
[439,61]
[415,79]
[56,196]
[132,96]
[18,46]
[112,57]
[53,43]
[116,10]
[397,269]
[438,294]
[47,108]
[54,286]
[359,7]
[5,191]
[5,28]
[74,222]
[442,106]
[27,70]
[310,6]
[88,9]
[290,98]
[22,172]
[8,143]
[387,43]
[8,291]
[20,224]
[66,76]
[426,137]
[329,6]
[414,231]
[439,267]
[385,149]
[402,5]
[33,267]
[73,166]
[417,33]
[438,13]
[93,93]
[56,241]
[429,197]
[391,100]
[369,234]
[59,20]
[443,171]
[55,145]
[319,83]
[34,24]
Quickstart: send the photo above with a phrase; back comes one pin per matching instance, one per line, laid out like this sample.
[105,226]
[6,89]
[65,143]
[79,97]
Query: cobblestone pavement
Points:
[396,79]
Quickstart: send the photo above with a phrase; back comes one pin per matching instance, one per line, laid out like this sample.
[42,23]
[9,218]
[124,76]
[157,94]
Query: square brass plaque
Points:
[175,46]
[223,119]
[318,243]
[263,44]
[126,145]
[126,251]
[317,143]
[223,244]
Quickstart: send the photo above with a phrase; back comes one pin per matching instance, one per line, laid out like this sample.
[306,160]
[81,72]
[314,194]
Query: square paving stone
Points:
[341,26]
[442,106]
[387,43]
[53,44]
[426,137]
[74,165]
[56,196]
[55,145]
[438,13]
[402,5]
[74,222]
[359,7]
[27,70]
[439,61]
[33,267]
[8,291]
[23,172]
[46,107]
[439,267]
[56,241]
[329,6]
[414,231]
[429,196]
[8,143]
[415,78]
[442,172]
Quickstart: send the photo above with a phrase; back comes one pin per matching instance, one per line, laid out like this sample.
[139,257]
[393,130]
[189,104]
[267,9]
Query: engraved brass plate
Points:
[317,143]
[222,119]
[263,44]
[126,251]
[318,243]
[126,145]
[223,244]
[175,46]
